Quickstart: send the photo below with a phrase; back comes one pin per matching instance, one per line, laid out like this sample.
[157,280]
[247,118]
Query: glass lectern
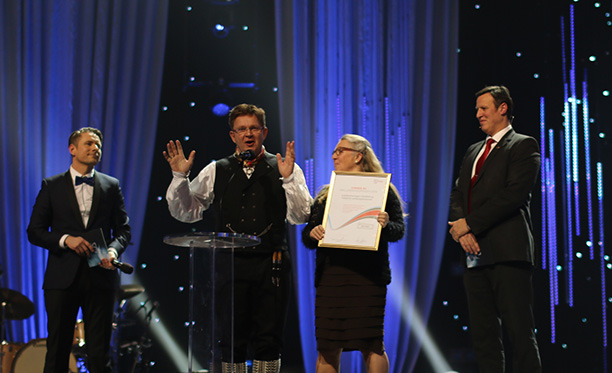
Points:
[211,294]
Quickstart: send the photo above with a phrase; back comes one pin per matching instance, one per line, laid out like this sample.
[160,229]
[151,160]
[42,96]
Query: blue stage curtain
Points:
[67,64]
[386,70]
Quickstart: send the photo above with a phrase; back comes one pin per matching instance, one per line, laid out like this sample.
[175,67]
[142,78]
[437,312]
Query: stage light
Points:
[159,198]
[410,315]
[519,54]
[245,28]
[220,109]
[186,138]
[606,93]
[536,76]
[164,108]
[592,58]
[220,30]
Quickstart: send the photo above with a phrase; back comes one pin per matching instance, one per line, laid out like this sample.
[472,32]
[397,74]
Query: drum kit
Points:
[30,357]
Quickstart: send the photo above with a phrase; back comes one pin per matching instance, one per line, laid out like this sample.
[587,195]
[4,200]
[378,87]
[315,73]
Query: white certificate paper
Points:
[351,211]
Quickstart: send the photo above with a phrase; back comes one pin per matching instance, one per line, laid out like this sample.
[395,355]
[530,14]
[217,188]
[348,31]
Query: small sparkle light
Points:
[189,9]
[564,345]
[181,288]
[610,300]
[601,136]
[245,28]
[519,54]
[589,244]
[559,268]
[142,304]
[192,78]
[445,303]
[143,265]
[156,320]
[455,317]
[219,27]
[536,75]
[607,14]
[192,104]
[606,93]
[275,89]
[464,328]
[164,108]
[597,5]
[176,257]
[609,266]
[579,255]
[591,120]
[159,198]
[186,324]
[609,23]
[606,257]
[584,320]
[458,50]
[477,6]
[186,138]
[592,58]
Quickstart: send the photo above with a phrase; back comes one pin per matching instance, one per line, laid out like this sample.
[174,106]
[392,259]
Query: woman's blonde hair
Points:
[369,162]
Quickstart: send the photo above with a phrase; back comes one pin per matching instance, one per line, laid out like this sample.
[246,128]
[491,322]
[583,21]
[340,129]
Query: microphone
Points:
[247,155]
[123,267]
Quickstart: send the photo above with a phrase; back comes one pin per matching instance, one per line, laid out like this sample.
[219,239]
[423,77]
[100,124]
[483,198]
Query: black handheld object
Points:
[247,155]
[123,267]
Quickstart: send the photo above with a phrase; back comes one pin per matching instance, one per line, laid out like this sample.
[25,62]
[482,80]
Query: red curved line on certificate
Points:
[368,214]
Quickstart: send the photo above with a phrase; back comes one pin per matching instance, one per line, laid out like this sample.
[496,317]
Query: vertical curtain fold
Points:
[386,70]
[66,64]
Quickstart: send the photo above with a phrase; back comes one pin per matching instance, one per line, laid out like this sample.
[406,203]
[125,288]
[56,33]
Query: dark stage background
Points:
[515,43]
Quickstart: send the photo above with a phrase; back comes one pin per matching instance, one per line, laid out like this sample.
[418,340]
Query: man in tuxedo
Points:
[490,218]
[69,206]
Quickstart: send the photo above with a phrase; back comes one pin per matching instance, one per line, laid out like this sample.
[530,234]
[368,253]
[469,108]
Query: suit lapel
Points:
[95,203]
[74,205]
[493,153]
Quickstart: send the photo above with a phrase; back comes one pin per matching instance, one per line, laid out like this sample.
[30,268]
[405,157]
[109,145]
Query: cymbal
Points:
[129,291]
[18,306]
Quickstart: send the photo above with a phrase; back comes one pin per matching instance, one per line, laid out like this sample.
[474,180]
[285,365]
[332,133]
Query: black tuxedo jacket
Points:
[56,212]
[500,217]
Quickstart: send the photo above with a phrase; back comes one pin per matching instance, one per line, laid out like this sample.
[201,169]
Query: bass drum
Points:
[31,358]
[9,350]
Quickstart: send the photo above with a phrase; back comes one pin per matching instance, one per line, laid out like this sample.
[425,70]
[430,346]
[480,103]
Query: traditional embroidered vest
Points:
[255,206]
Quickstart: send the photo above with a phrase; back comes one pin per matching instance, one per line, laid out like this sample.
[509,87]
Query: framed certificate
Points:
[351,211]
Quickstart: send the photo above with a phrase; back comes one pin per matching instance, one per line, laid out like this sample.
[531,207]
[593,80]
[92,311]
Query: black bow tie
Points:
[87,180]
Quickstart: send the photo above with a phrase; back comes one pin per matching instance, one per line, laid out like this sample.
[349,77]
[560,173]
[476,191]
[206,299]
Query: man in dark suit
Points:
[69,206]
[490,218]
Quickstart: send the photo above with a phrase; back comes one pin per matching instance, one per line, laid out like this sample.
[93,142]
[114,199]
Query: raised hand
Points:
[285,167]
[176,157]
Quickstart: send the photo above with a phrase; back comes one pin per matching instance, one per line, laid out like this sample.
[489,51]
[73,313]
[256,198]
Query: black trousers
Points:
[62,307]
[502,294]
[260,308]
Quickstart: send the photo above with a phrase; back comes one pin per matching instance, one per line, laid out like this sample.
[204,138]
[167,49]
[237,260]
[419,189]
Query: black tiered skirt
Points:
[349,312]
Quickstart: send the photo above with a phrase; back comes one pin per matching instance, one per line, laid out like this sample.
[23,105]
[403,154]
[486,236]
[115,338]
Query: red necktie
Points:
[479,164]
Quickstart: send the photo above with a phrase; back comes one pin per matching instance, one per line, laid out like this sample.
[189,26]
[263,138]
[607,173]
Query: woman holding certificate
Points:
[351,285]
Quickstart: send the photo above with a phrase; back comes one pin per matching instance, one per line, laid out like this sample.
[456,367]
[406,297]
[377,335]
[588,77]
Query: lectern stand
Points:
[211,271]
